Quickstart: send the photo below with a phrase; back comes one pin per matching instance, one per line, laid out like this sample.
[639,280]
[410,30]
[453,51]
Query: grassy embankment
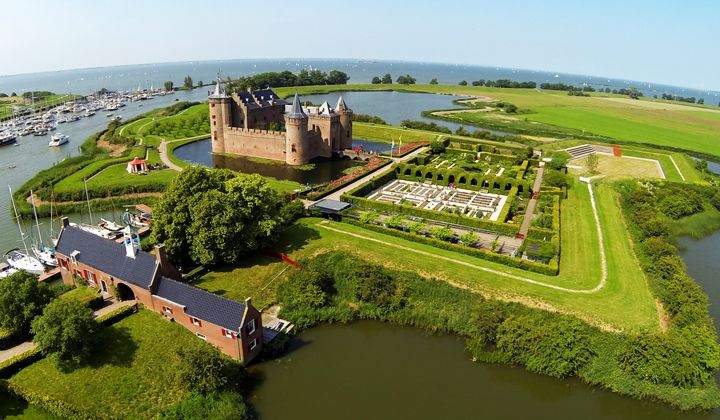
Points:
[131,375]
[625,302]
[556,114]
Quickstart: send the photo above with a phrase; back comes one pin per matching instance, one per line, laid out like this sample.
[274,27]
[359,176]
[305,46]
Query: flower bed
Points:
[407,148]
[373,164]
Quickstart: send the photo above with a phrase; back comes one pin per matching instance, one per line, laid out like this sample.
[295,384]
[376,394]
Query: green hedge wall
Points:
[551,269]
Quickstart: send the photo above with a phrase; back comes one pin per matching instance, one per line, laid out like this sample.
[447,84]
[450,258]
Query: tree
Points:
[592,163]
[376,80]
[387,79]
[336,77]
[701,101]
[199,83]
[510,108]
[12,95]
[555,178]
[437,147]
[374,285]
[203,369]
[463,83]
[188,82]
[216,216]
[67,330]
[406,80]
[22,298]
[168,85]
[433,81]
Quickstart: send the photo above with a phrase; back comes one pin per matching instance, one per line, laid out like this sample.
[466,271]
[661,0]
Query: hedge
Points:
[116,315]
[323,193]
[502,228]
[551,269]
[9,338]
[13,365]
[50,404]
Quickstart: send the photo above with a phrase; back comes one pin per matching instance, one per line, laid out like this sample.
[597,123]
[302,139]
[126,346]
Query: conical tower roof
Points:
[296,111]
[341,105]
[219,91]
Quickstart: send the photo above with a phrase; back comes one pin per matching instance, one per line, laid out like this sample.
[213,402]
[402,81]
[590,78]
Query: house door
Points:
[104,286]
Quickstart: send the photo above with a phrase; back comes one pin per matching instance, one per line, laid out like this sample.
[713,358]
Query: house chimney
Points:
[65,222]
[166,268]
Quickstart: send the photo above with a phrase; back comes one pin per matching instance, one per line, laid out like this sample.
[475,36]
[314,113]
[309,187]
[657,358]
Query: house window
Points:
[228,333]
[201,336]
[168,310]
[73,256]
[252,345]
[251,327]
[196,322]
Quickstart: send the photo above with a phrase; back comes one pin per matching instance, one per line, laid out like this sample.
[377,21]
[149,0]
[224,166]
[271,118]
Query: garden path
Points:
[532,203]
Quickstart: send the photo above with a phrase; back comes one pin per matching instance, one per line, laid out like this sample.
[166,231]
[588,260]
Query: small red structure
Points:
[616,150]
[136,166]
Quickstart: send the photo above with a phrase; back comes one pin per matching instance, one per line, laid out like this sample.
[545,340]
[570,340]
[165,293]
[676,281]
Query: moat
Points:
[323,171]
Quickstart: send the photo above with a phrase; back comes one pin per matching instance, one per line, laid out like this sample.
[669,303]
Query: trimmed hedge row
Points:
[116,315]
[495,183]
[551,269]
[502,228]
[13,365]
[52,405]
[345,184]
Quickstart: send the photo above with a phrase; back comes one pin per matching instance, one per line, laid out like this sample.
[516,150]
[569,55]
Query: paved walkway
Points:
[29,345]
[162,149]
[387,168]
[531,204]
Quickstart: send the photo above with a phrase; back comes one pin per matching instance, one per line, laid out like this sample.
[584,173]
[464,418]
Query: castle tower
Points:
[345,114]
[296,125]
[220,116]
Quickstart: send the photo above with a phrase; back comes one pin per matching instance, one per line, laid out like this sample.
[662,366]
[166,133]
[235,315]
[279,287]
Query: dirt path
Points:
[603,261]
[531,204]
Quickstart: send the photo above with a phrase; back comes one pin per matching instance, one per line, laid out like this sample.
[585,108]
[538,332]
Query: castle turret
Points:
[345,114]
[220,116]
[296,126]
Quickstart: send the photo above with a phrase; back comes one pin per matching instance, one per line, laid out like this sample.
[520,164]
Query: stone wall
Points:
[256,143]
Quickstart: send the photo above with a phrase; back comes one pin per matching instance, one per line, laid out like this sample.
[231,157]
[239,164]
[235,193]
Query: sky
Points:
[662,41]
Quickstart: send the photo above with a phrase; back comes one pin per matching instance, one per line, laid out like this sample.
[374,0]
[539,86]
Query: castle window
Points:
[293,148]
[215,135]
[213,117]
[214,122]
[212,105]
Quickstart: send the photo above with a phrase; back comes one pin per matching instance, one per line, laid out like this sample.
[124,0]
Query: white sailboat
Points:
[6,271]
[15,258]
[46,255]
[91,228]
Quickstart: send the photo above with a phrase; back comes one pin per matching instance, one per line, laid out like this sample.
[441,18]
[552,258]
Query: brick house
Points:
[233,327]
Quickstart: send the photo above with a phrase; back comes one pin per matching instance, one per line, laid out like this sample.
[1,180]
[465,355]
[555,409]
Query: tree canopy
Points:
[215,216]
[66,329]
[168,85]
[406,80]
[188,82]
[387,79]
[287,78]
[22,298]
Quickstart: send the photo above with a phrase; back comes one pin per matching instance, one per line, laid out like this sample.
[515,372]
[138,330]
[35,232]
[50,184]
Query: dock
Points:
[49,275]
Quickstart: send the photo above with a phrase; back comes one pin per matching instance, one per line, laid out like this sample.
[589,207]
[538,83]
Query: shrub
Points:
[221,406]
[304,289]
[553,345]
[374,285]
[204,369]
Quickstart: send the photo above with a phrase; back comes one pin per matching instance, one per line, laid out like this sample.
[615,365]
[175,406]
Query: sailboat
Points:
[15,258]
[45,254]
[90,228]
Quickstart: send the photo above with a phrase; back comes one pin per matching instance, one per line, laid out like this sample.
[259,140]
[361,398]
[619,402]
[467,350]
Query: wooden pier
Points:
[49,275]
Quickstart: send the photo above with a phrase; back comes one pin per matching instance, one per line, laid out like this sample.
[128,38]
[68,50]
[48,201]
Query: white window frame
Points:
[167,310]
[196,321]
[228,333]
[73,256]
[251,327]
[253,344]
[201,336]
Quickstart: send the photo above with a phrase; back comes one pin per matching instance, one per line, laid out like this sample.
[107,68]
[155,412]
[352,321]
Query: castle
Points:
[252,123]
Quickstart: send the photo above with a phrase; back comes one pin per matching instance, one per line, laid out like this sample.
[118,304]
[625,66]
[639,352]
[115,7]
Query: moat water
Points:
[324,170]
[370,369]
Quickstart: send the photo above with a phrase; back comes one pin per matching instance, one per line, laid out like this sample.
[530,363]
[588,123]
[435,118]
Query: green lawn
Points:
[117,175]
[132,374]
[13,408]
[645,121]
[254,276]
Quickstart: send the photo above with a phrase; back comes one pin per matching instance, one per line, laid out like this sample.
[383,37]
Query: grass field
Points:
[625,302]
[131,375]
[618,168]
[12,408]
[673,124]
